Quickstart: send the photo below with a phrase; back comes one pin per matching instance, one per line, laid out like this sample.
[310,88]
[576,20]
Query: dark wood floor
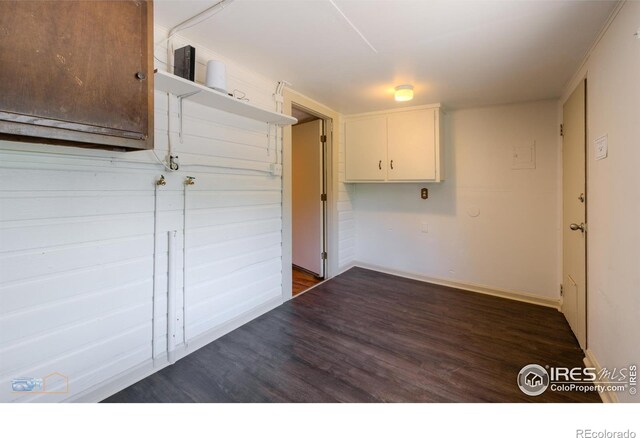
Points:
[370,337]
[302,280]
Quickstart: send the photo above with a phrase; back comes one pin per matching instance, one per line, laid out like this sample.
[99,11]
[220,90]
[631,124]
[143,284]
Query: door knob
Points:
[576,227]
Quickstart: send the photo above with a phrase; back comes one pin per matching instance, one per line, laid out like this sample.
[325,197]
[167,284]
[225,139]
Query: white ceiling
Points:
[459,53]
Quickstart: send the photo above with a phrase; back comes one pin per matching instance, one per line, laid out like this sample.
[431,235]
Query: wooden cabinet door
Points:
[366,149]
[412,145]
[79,71]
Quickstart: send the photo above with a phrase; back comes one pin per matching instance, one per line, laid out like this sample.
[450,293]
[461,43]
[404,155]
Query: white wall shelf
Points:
[180,87]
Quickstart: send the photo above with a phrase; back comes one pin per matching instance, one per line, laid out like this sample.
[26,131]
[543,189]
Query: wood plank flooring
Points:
[302,280]
[365,336]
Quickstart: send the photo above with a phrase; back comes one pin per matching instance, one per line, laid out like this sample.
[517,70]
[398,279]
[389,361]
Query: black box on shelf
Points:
[184,62]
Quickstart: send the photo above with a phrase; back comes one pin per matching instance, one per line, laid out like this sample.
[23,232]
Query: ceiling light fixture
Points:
[404,93]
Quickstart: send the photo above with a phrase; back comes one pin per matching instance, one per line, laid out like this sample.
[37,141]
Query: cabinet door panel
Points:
[72,65]
[366,149]
[411,146]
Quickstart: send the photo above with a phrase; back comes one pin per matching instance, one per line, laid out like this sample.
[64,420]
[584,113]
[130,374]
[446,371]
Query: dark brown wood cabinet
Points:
[77,72]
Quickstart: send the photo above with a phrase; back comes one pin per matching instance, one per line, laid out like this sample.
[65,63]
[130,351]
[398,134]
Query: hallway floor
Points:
[302,280]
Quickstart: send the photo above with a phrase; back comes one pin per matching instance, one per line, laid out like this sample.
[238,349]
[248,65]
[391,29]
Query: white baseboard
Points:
[591,362]
[486,290]
[117,383]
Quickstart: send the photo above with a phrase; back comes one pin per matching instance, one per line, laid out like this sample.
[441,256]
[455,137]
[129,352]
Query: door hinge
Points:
[561,290]
[324,255]
[323,197]
[561,129]
[323,138]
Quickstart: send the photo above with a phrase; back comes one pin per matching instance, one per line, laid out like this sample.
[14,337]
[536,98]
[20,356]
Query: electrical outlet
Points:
[425,227]
[276,169]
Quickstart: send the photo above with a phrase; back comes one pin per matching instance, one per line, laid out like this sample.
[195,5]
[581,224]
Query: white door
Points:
[366,149]
[412,145]
[307,188]
[574,233]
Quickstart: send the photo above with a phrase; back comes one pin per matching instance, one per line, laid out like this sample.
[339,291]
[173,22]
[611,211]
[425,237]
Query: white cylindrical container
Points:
[217,76]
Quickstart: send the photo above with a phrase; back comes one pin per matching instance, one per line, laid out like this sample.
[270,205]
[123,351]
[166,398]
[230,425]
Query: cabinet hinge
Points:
[561,290]
[323,197]
[323,138]
[561,129]
[324,255]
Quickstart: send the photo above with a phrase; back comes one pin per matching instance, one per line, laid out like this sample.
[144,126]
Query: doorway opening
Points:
[308,199]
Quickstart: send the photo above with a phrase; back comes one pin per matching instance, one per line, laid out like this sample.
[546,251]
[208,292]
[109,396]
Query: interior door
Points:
[574,232]
[412,145]
[366,149]
[307,188]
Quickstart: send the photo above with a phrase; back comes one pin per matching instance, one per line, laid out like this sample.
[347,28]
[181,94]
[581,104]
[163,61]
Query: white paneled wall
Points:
[81,292]
[233,243]
[346,220]
[76,263]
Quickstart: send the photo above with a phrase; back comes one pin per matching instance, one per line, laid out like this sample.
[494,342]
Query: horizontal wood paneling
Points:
[85,366]
[50,345]
[216,234]
[32,264]
[23,235]
[28,294]
[76,269]
[20,206]
[214,199]
[84,241]
[42,319]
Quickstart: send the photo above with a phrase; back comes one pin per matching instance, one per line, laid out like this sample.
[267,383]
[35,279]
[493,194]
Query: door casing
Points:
[333,132]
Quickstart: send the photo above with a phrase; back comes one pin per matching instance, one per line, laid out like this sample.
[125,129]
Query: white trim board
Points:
[591,362]
[151,366]
[470,287]
[332,118]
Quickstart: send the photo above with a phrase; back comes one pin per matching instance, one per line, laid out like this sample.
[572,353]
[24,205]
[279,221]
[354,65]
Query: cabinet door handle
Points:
[141,76]
[391,164]
[380,164]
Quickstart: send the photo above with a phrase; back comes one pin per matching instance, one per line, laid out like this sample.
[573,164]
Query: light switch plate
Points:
[601,147]
[424,227]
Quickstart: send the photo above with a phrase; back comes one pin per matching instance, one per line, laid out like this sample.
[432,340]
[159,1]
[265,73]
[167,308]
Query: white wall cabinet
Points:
[395,146]
[367,148]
